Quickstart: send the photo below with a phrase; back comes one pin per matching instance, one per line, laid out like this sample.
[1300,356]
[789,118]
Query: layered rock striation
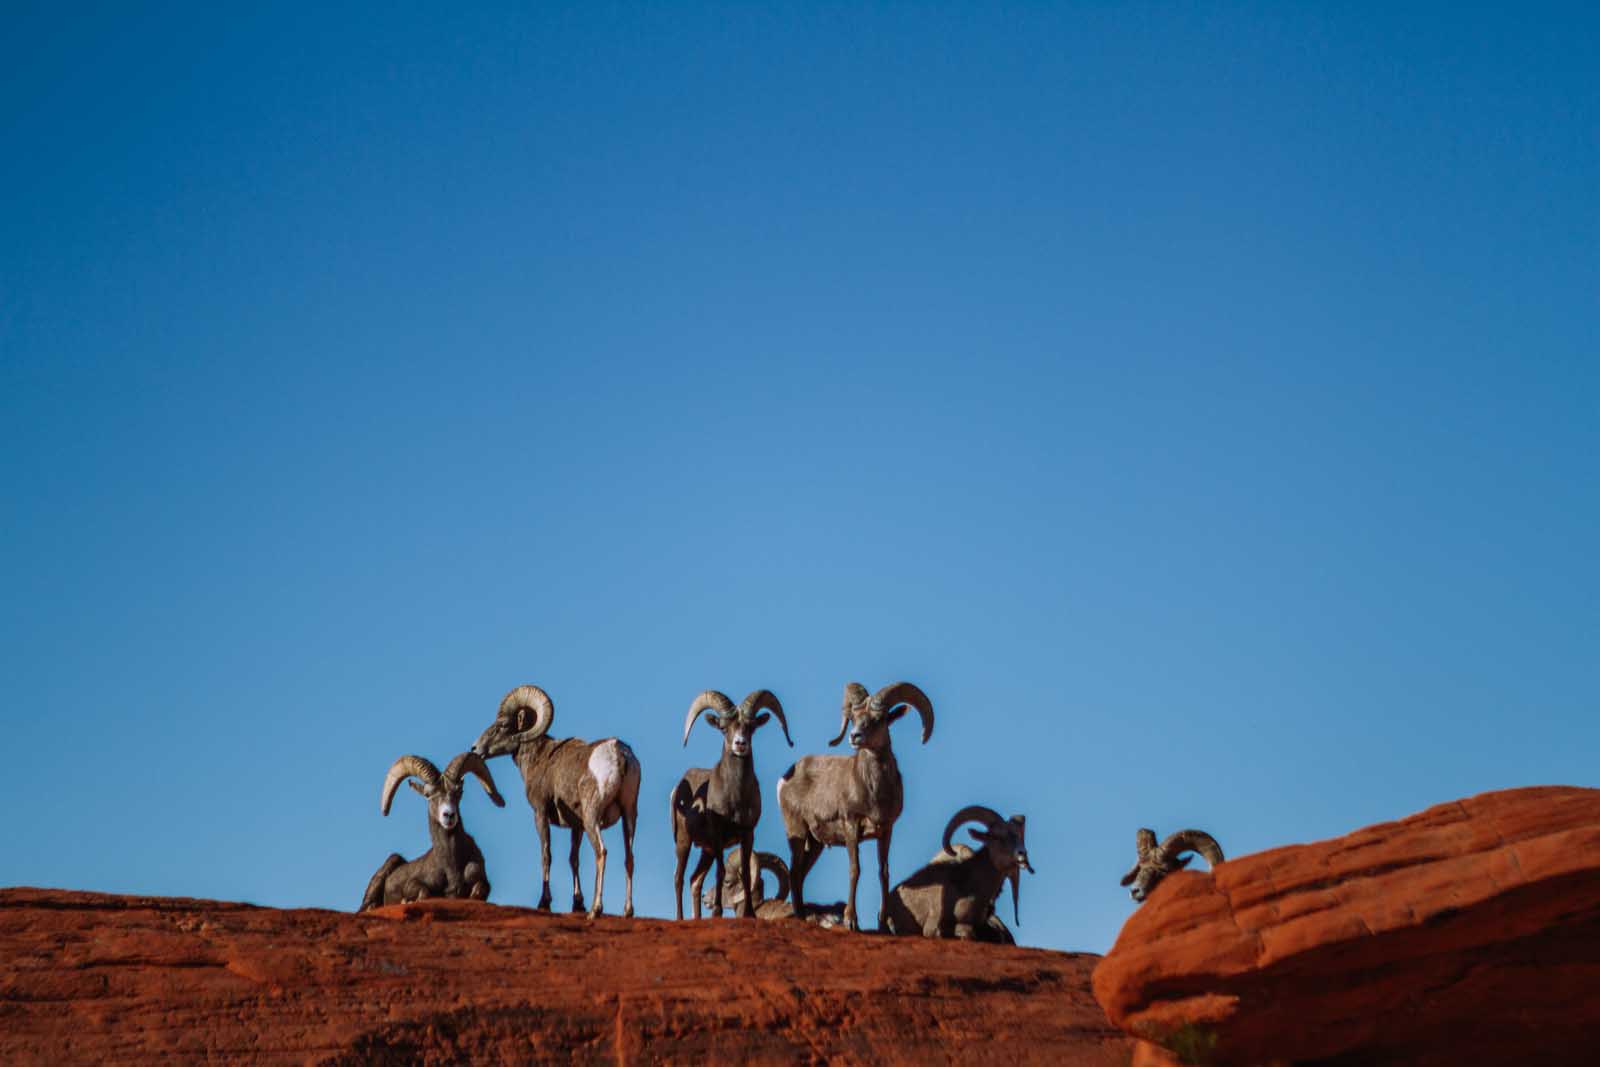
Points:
[1468,933]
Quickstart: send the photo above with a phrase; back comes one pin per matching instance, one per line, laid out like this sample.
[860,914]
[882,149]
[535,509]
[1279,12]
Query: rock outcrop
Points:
[1468,933]
[90,978]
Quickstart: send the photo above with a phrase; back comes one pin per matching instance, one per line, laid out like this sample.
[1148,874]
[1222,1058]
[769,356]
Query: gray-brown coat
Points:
[717,806]
[581,785]
[954,895]
[844,800]
[454,866]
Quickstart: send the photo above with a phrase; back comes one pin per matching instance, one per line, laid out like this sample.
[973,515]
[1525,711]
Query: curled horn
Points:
[473,764]
[531,696]
[708,699]
[1145,842]
[1014,876]
[906,693]
[854,694]
[762,699]
[407,767]
[766,861]
[1192,841]
[972,812]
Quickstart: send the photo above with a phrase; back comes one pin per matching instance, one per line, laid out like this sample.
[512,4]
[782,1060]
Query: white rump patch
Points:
[605,765]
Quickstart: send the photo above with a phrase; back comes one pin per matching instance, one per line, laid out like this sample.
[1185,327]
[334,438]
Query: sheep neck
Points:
[733,791]
[446,843]
[879,775]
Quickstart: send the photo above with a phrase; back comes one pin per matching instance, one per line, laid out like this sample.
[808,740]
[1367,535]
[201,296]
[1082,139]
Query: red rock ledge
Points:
[90,978]
[1466,934]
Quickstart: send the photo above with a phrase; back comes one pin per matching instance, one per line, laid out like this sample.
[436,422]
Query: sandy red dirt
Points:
[92,978]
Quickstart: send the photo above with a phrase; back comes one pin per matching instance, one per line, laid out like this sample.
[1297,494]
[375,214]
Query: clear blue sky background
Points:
[1198,401]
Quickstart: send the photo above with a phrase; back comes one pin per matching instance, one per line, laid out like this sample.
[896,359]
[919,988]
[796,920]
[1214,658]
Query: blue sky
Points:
[1198,401]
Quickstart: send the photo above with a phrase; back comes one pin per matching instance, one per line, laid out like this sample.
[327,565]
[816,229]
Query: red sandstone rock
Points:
[1469,933]
[89,978]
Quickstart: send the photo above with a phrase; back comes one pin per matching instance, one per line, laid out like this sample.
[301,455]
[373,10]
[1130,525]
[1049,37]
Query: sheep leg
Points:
[677,881]
[883,871]
[803,853]
[698,880]
[716,911]
[599,867]
[629,817]
[746,907]
[541,823]
[572,858]
[852,845]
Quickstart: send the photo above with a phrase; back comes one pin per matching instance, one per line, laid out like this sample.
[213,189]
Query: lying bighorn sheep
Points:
[844,800]
[583,786]
[954,895]
[721,805]
[1156,862]
[453,867]
[776,906]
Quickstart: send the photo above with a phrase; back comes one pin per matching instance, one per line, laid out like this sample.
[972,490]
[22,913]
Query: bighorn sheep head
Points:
[443,790]
[867,718]
[1004,841]
[1158,861]
[737,724]
[525,715]
[733,885]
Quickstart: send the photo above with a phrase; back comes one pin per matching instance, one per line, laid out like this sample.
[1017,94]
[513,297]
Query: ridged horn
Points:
[767,861]
[972,812]
[1192,841]
[854,694]
[906,693]
[1015,878]
[403,768]
[531,696]
[708,699]
[473,764]
[763,700]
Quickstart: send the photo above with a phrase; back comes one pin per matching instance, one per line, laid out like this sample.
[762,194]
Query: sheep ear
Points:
[412,782]
[897,714]
[716,723]
[764,718]
[1128,878]
[980,836]
[1184,862]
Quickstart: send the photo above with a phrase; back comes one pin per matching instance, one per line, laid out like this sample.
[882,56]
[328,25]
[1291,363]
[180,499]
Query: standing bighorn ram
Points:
[954,895]
[453,867]
[1158,861]
[844,800]
[580,785]
[719,806]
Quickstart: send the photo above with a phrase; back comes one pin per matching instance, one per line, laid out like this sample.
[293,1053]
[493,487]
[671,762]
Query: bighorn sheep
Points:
[453,867]
[844,800]
[954,895]
[1156,862]
[721,805]
[776,906]
[576,784]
